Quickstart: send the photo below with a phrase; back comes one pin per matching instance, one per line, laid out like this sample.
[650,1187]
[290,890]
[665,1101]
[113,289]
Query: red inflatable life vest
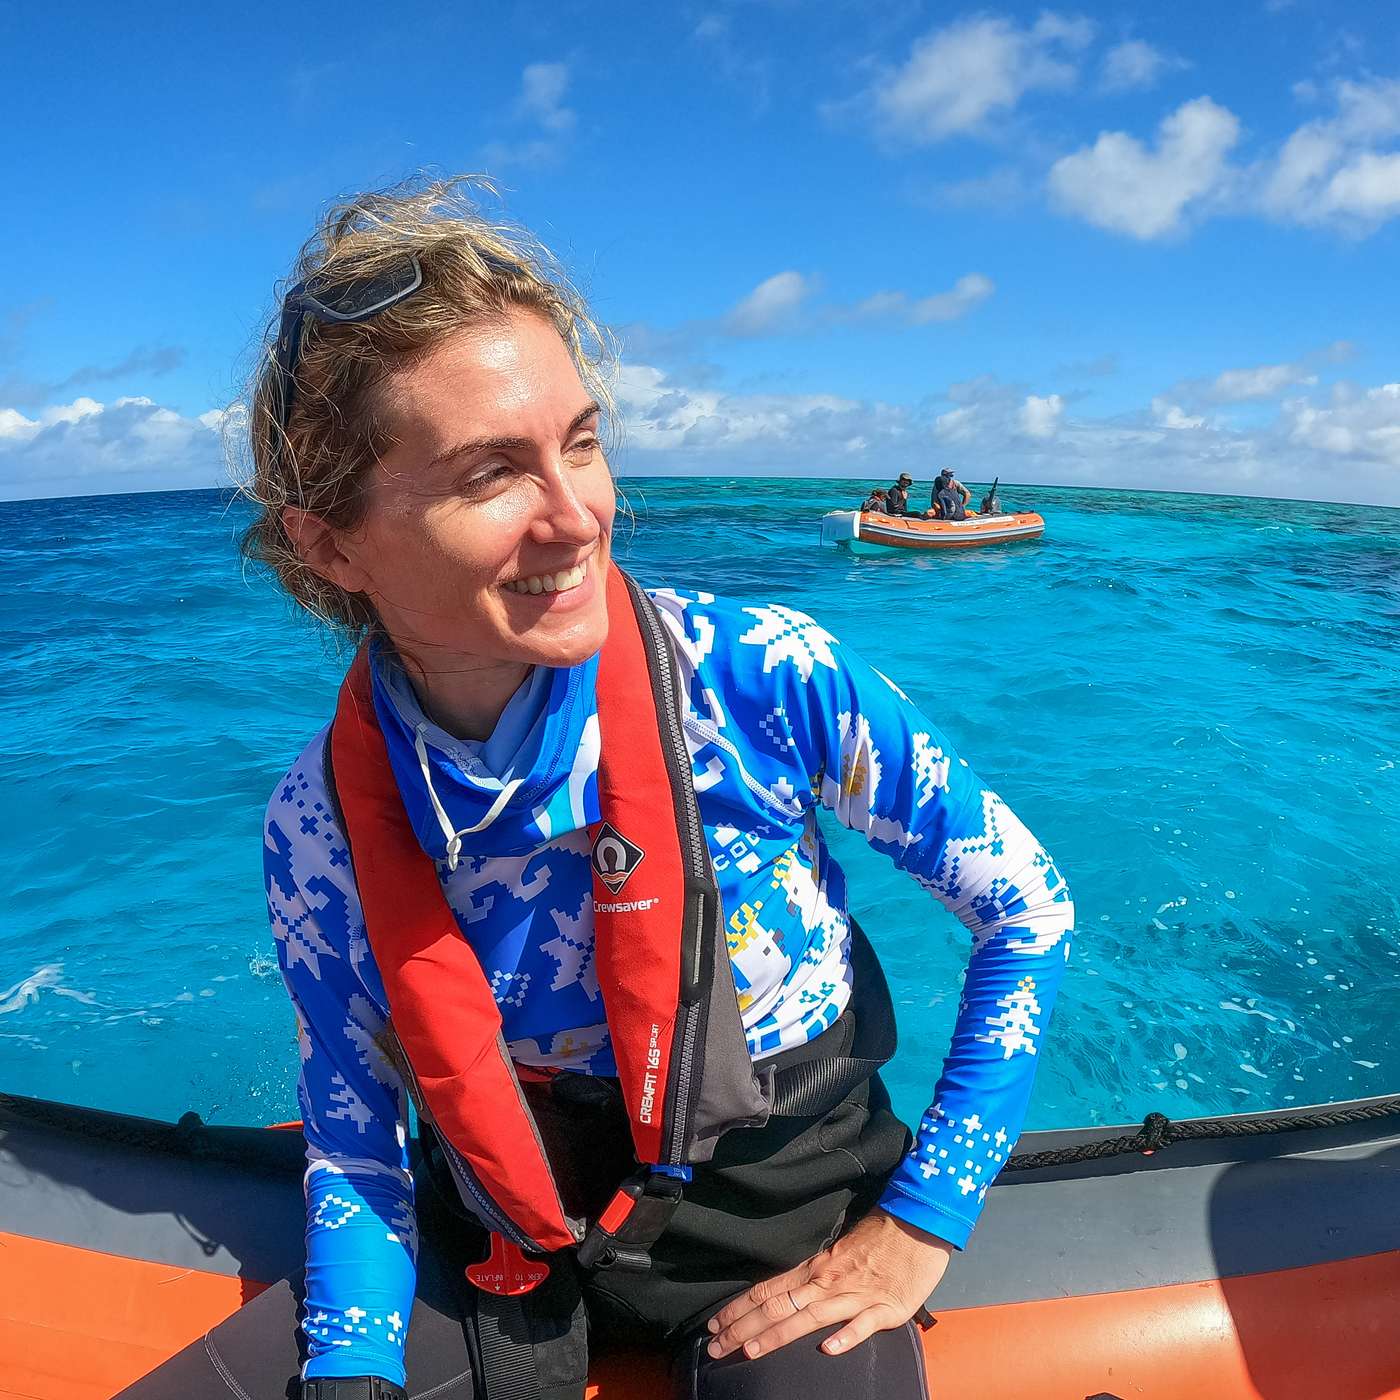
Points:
[663,966]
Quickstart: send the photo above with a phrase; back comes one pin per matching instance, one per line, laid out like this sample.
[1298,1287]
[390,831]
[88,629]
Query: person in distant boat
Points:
[991,502]
[945,480]
[595,936]
[950,498]
[897,497]
[875,501]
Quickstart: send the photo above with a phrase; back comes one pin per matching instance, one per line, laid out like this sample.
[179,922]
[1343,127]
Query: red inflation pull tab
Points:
[506,1270]
[619,1208]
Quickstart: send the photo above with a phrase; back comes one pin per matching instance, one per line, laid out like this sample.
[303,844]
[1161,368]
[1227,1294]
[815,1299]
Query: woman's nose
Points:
[564,513]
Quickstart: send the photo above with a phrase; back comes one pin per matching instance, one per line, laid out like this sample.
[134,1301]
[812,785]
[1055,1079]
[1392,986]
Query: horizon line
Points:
[232,492]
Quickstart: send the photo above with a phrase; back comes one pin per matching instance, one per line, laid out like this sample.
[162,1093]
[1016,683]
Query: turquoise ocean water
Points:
[1191,701]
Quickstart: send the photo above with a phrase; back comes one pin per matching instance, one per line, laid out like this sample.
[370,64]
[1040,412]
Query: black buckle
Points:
[351,1388]
[635,1218]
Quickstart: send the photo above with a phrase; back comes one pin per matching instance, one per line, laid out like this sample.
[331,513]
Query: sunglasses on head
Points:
[327,300]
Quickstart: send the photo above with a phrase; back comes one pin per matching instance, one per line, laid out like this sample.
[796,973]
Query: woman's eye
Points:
[584,445]
[488,476]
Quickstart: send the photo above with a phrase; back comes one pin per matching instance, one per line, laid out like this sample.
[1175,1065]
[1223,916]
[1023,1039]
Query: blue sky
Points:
[1105,245]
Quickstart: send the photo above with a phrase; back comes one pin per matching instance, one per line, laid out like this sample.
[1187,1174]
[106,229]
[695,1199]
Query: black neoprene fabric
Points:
[772,1197]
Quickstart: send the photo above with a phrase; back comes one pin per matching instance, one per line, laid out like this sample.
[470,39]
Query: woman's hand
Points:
[872,1279]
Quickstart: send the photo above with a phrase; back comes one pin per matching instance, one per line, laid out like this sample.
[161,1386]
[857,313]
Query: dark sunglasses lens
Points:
[351,301]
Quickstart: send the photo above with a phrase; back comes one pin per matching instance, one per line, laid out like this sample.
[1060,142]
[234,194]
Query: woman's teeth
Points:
[549,583]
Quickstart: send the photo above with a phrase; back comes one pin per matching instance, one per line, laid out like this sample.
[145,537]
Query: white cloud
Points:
[1356,424]
[771,305]
[1333,170]
[966,293]
[1338,444]
[782,304]
[1261,382]
[1132,65]
[1344,448]
[13,424]
[542,89]
[74,412]
[540,109]
[1040,418]
[1368,187]
[86,447]
[660,416]
[1121,185]
[958,77]
[1170,415]
[17,428]
[1340,171]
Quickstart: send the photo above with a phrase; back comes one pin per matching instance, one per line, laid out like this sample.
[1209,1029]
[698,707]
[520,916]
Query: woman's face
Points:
[487,529]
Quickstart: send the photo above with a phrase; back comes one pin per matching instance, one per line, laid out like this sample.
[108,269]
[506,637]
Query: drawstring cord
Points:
[454,837]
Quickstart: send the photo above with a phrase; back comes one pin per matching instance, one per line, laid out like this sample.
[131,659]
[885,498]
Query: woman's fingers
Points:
[772,1293]
[861,1327]
[873,1279]
[757,1332]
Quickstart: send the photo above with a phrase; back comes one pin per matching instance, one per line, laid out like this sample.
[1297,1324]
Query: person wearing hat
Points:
[897,497]
[949,497]
[945,508]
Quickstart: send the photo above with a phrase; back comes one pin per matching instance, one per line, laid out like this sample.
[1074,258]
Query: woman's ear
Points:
[321,549]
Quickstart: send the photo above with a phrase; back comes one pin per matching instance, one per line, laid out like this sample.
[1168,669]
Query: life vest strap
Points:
[623,1235]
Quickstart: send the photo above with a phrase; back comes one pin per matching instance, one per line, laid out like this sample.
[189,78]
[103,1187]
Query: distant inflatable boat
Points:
[867,532]
[1248,1258]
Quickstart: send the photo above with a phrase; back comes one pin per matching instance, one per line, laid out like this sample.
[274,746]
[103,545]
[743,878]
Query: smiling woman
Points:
[446,441]
[553,875]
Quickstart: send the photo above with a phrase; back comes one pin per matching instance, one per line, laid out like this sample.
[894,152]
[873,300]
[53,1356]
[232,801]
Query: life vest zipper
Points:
[695,852]
[488,1212]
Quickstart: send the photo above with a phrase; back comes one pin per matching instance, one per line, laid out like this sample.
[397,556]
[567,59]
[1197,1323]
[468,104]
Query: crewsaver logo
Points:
[615,857]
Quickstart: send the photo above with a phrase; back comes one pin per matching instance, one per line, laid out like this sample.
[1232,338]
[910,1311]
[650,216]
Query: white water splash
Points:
[1246,1010]
[22,993]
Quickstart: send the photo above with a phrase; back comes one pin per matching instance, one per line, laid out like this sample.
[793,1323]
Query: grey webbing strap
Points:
[508,1366]
[533,1346]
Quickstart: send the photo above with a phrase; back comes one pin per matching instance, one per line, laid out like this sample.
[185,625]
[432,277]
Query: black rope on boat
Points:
[1158,1131]
[191,1137]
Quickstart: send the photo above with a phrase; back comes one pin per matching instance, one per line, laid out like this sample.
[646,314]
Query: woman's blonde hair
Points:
[476,269]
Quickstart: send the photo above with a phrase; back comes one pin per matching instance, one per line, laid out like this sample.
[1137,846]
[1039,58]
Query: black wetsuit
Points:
[772,1197]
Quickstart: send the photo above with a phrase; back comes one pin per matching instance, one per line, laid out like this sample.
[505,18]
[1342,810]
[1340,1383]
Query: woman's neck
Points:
[464,695]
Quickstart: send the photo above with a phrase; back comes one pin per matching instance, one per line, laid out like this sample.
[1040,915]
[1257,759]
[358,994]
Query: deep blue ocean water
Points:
[1191,701]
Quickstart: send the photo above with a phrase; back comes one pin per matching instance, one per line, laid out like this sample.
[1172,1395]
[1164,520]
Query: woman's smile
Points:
[562,589]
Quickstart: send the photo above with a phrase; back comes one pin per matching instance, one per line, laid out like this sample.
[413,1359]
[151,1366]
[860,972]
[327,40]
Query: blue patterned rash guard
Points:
[780,719]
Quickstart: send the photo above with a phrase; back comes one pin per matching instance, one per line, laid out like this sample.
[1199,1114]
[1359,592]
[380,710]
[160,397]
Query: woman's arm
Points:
[885,771]
[876,762]
[361,1235]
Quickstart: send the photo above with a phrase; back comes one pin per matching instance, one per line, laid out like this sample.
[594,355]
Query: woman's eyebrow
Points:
[472,446]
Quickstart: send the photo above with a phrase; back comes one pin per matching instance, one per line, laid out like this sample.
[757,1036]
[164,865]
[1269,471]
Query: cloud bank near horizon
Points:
[997,192]
[1339,441]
